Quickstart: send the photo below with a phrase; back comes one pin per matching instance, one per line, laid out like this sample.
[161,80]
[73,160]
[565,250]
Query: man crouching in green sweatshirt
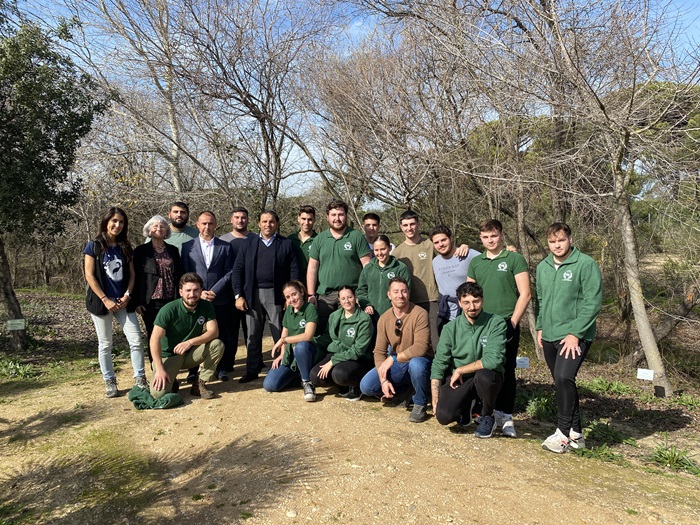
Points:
[469,358]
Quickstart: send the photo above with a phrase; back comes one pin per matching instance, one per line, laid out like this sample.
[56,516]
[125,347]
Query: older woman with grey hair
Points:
[158,268]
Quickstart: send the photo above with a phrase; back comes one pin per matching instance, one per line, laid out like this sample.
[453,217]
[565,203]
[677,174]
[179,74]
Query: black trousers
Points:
[453,402]
[149,317]
[347,373]
[506,398]
[564,373]
[237,320]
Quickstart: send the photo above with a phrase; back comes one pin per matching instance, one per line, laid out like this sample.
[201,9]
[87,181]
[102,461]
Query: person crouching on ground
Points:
[402,353]
[349,355]
[299,347]
[469,358]
[185,336]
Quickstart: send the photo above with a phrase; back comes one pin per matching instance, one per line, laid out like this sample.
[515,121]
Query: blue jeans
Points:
[278,378]
[130,325]
[415,372]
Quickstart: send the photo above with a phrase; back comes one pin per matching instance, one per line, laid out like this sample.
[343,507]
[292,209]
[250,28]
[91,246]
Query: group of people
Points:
[345,308]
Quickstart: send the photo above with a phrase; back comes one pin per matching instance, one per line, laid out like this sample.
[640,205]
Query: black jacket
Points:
[285,261]
[146,272]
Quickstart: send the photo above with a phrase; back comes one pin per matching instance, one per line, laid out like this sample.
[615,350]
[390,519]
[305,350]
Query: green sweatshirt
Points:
[373,285]
[568,298]
[462,343]
[351,336]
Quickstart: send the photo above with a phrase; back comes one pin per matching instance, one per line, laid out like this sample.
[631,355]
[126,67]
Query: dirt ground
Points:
[71,456]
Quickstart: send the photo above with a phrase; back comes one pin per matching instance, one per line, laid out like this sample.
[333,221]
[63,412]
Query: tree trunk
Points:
[662,385]
[525,250]
[8,297]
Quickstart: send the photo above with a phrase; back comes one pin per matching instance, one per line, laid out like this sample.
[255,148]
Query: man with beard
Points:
[336,259]
[185,336]
[236,238]
[402,353]
[263,266]
[180,231]
[469,358]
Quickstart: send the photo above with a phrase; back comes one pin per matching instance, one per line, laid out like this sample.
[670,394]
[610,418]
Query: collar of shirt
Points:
[268,242]
[207,249]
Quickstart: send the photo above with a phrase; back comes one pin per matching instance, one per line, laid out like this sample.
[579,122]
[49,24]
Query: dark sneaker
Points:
[194,391]
[467,419]
[222,375]
[464,421]
[248,377]
[191,378]
[141,382]
[354,394]
[344,391]
[111,387]
[309,392]
[202,390]
[486,426]
[418,414]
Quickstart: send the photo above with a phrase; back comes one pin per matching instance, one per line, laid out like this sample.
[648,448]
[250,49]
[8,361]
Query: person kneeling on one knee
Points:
[185,336]
[402,353]
[469,358]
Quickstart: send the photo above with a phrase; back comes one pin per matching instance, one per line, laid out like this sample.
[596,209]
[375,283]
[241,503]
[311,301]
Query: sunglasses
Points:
[397,327]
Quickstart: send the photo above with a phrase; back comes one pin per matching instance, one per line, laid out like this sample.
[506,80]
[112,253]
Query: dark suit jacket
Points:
[285,261]
[147,272]
[217,277]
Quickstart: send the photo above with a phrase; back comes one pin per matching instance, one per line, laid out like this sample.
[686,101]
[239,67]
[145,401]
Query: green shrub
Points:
[15,368]
[603,432]
[542,406]
[670,456]
[600,385]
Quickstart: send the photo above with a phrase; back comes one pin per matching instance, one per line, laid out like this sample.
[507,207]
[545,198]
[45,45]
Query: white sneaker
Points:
[576,440]
[557,443]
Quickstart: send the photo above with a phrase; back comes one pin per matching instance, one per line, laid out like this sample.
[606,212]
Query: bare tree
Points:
[592,65]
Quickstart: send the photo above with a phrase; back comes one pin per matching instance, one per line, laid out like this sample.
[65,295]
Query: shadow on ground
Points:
[120,484]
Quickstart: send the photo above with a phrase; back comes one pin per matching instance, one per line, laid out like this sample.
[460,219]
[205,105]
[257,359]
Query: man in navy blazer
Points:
[212,259]
[263,265]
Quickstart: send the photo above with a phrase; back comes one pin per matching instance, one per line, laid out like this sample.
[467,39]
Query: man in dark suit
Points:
[212,259]
[262,267]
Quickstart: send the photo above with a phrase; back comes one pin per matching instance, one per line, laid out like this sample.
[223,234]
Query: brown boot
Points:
[202,390]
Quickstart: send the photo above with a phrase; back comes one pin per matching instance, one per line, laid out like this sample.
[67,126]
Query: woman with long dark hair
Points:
[109,272]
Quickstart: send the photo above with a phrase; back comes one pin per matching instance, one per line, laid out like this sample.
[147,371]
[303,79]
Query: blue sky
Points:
[691,18]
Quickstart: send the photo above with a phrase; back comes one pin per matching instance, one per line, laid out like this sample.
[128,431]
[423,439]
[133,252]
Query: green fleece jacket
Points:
[142,399]
[351,337]
[569,297]
[462,343]
[374,283]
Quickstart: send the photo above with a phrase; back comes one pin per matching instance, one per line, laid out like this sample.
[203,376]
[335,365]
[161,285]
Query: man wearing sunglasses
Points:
[402,353]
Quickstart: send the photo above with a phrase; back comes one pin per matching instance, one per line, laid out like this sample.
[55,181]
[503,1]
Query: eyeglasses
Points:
[397,327]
